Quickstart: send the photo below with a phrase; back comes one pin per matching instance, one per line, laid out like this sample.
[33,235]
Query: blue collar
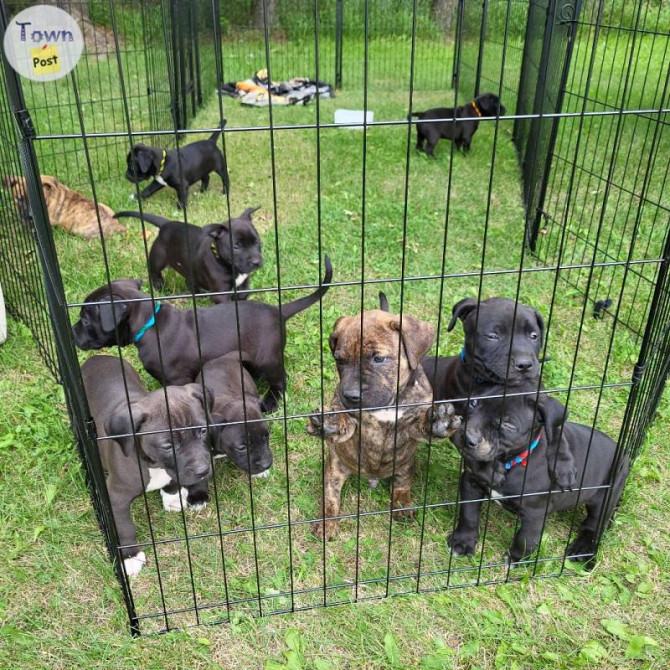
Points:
[149,324]
[478,380]
[522,458]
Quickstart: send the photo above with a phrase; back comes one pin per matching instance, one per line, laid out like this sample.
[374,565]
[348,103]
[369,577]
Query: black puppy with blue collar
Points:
[504,442]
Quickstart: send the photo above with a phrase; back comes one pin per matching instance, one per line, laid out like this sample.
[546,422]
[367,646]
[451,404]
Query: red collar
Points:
[522,458]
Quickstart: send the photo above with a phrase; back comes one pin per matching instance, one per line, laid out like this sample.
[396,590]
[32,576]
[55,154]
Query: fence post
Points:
[70,374]
[480,55]
[457,45]
[339,30]
[567,14]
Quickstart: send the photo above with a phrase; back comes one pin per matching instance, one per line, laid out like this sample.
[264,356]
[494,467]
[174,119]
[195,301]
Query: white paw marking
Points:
[171,501]
[240,279]
[134,564]
[495,495]
[160,180]
[218,456]
[264,474]
[197,507]
[158,478]
[387,415]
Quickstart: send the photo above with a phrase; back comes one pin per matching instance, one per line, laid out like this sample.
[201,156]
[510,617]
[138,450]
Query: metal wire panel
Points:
[575,124]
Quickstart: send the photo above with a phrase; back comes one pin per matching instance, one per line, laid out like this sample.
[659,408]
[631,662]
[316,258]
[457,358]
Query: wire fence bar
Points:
[560,206]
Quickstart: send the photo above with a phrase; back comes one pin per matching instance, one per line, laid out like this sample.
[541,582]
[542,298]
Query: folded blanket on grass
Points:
[259,90]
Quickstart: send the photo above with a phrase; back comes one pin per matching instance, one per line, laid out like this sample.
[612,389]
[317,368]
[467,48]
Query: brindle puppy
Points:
[386,399]
[67,208]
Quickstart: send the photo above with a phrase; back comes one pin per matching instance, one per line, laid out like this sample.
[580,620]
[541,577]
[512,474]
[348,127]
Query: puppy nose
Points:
[352,396]
[257,262]
[523,364]
[471,440]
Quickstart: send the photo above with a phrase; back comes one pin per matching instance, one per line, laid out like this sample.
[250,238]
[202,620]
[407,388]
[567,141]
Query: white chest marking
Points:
[262,475]
[387,415]
[158,478]
[240,279]
[160,180]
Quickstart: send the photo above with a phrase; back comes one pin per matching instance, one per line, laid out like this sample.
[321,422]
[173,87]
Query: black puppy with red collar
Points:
[504,441]
[430,130]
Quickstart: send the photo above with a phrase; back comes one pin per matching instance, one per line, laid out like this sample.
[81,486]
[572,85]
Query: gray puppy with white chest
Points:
[213,258]
[146,455]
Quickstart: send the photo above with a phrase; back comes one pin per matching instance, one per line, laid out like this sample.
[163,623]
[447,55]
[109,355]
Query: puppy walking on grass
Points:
[178,168]
[385,402]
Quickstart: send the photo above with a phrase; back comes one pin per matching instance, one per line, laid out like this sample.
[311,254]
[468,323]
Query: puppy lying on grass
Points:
[67,208]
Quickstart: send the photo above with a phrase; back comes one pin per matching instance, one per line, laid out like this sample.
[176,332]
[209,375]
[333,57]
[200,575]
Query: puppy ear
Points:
[206,399]
[552,415]
[215,431]
[49,182]
[107,313]
[461,310]
[334,336]
[124,422]
[417,337]
[383,302]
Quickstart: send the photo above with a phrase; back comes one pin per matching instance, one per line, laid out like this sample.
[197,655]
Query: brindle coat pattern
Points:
[383,371]
[67,208]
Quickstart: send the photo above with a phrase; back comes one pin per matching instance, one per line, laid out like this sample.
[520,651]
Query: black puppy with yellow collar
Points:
[429,130]
[213,258]
[177,168]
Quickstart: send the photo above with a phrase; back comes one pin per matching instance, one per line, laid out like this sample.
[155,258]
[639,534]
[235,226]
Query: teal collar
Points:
[149,324]
[522,458]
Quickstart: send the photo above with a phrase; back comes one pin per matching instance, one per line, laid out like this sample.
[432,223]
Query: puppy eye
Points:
[533,335]
[507,425]
[473,403]
[237,245]
[378,358]
[492,336]
[202,433]
[167,446]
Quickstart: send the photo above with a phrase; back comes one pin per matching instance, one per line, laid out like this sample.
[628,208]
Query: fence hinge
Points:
[25,123]
[566,13]
[638,372]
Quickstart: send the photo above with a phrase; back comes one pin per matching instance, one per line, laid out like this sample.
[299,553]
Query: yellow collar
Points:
[162,167]
[474,106]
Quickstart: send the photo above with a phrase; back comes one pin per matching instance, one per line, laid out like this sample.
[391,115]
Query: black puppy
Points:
[460,132]
[151,444]
[177,168]
[131,320]
[503,341]
[244,435]
[504,440]
[205,256]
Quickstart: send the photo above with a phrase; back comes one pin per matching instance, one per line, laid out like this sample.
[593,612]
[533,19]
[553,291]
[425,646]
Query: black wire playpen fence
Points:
[557,205]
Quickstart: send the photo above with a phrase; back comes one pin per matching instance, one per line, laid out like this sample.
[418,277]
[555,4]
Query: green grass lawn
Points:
[61,605]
